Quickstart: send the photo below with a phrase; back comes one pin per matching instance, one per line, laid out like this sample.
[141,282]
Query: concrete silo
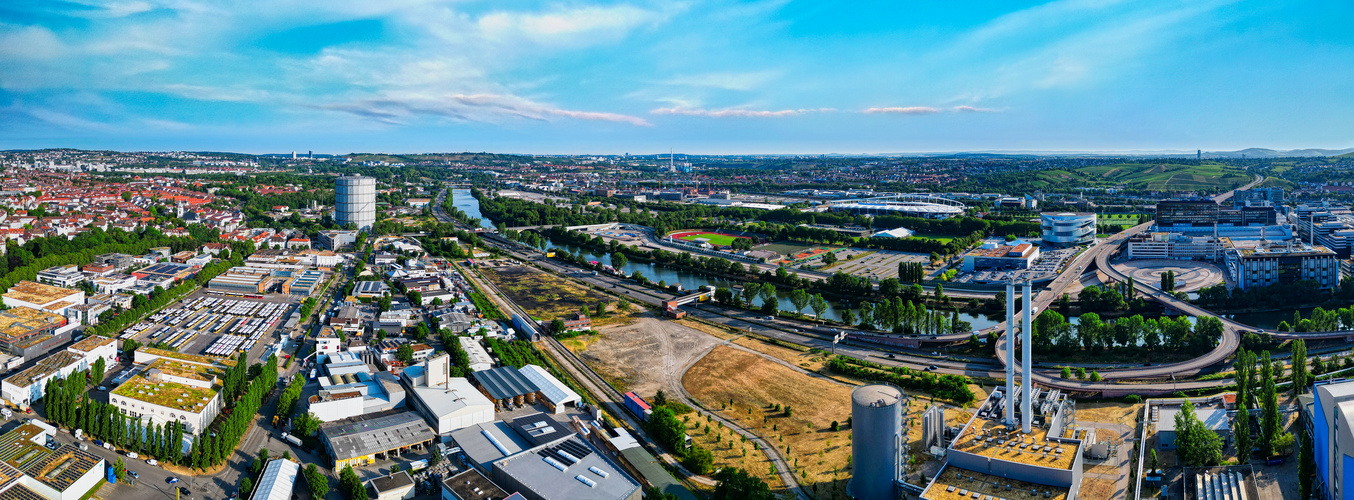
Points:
[876,441]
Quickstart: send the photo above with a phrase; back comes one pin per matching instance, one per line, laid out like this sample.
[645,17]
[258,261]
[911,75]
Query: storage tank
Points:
[355,201]
[876,443]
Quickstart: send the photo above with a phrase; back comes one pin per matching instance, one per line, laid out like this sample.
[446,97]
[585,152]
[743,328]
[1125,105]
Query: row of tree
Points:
[1053,333]
[951,387]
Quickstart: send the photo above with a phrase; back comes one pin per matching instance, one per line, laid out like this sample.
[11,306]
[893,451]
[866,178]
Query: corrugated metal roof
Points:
[505,382]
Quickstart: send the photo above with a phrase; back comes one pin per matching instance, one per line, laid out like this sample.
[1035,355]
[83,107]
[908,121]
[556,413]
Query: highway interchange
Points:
[1146,380]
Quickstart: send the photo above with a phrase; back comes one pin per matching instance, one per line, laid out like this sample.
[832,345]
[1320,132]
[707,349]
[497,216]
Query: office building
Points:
[355,202]
[1001,255]
[24,388]
[1261,263]
[396,486]
[1273,196]
[1206,212]
[65,276]
[1173,246]
[1329,415]
[1067,229]
[338,239]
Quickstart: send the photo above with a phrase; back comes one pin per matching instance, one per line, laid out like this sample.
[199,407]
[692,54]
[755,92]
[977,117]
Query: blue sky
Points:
[701,77]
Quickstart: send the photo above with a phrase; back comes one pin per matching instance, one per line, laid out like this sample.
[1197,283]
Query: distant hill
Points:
[1270,153]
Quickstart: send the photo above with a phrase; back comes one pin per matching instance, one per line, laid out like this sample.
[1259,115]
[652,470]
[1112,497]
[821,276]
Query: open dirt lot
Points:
[643,355]
[545,296]
[746,387]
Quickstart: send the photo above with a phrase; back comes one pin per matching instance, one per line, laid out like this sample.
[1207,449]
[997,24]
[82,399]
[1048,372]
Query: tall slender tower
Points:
[1010,354]
[1026,375]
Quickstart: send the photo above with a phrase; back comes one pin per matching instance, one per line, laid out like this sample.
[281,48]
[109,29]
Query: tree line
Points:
[1054,334]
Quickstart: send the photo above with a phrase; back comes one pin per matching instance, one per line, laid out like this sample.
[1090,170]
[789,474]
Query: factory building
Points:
[243,280]
[304,283]
[33,466]
[355,201]
[356,441]
[479,358]
[1067,228]
[1020,443]
[42,297]
[447,403]
[164,274]
[31,333]
[554,394]
[23,388]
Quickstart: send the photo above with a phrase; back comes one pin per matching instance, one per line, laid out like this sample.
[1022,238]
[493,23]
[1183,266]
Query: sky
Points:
[718,77]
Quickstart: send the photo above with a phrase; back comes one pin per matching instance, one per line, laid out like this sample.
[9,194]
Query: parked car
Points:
[102,388]
[931,368]
[152,461]
[107,445]
[171,480]
[132,454]
[133,474]
[83,446]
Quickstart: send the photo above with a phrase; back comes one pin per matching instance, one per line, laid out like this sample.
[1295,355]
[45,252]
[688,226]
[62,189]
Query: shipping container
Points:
[638,406]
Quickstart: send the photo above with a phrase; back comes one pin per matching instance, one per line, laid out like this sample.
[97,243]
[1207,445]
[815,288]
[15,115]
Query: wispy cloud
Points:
[741,81]
[474,108]
[737,112]
[909,110]
[974,109]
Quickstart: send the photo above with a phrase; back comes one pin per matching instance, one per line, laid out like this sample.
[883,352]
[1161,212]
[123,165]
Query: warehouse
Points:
[395,486]
[488,442]
[479,358]
[555,393]
[357,441]
[1214,419]
[566,468]
[304,283]
[246,280]
[472,485]
[506,386]
[371,289]
[27,386]
[278,480]
[43,297]
[31,471]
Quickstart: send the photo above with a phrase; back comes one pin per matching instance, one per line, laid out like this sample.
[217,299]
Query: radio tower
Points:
[671,167]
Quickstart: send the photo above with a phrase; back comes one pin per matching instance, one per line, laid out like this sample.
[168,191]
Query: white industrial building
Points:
[42,297]
[33,471]
[479,358]
[447,403]
[26,387]
[173,387]
[66,276]
[556,393]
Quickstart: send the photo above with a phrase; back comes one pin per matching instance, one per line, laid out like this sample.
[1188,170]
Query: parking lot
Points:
[1047,267]
[874,264]
[215,324]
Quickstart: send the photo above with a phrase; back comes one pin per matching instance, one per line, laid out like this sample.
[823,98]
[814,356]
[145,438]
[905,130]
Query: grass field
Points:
[716,239]
[784,247]
[1159,176]
[546,296]
[937,237]
[754,385]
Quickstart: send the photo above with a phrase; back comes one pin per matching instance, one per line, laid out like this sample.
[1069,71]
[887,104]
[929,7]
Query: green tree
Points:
[618,260]
[405,353]
[1299,359]
[120,470]
[1242,429]
[1270,424]
[818,304]
[800,299]
[736,484]
[245,485]
[698,460]
[1306,466]
[97,370]
[352,486]
[1196,444]
[319,484]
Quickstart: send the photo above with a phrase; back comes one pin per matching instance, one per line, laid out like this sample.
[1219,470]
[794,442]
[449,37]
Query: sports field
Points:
[716,239]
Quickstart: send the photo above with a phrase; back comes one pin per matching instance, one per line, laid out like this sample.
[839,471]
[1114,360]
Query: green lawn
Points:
[719,240]
[937,237]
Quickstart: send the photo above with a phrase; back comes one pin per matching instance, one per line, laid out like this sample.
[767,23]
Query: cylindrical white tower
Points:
[876,441]
[356,201]
[1026,374]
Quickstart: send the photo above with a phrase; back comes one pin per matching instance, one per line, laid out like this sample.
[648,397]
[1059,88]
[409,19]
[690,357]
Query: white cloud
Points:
[974,109]
[490,108]
[736,112]
[909,110]
[742,81]
[576,25]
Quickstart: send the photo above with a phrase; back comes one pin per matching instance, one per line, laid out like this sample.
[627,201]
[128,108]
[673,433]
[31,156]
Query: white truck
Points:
[291,439]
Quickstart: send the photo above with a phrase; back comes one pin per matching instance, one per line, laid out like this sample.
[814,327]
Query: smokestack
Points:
[1027,416]
[1010,353]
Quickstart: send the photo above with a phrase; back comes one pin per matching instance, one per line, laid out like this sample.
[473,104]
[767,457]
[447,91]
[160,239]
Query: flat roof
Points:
[392,482]
[20,321]
[183,356]
[472,485]
[1214,419]
[458,395]
[174,395]
[567,469]
[539,428]
[475,443]
[655,474]
[91,343]
[38,293]
[45,366]
[954,483]
[504,382]
[182,369]
[375,433]
[1008,446]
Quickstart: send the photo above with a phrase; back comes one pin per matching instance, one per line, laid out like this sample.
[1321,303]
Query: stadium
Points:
[928,207]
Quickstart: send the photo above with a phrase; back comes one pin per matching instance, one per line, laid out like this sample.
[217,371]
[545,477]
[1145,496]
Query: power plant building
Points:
[355,201]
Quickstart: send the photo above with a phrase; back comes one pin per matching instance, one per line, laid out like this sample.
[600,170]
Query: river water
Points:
[689,280]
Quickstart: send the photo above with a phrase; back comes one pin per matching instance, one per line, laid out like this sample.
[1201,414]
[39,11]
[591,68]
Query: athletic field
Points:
[716,239]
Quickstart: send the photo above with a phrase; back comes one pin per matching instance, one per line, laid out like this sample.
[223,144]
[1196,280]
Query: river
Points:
[689,280]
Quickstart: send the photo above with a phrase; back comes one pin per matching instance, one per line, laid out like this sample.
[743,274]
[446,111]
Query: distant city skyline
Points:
[770,77]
